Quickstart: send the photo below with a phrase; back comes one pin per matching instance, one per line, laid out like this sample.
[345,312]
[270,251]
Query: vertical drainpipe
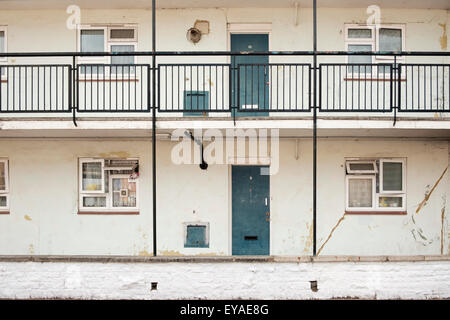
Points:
[315,127]
[154,123]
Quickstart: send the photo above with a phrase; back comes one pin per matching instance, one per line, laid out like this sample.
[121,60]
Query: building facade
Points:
[269,141]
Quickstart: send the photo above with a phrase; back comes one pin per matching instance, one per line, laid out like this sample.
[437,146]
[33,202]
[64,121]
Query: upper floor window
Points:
[375,185]
[108,185]
[108,39]
[3,47]
[373,38]
[4,185]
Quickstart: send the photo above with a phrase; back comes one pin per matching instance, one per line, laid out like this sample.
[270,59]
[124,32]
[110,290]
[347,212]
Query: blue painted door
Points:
[250,211]
[250,81]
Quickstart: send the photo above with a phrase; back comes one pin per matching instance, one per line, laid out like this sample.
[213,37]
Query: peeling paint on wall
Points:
[27,217]
[115,154]
[443,39]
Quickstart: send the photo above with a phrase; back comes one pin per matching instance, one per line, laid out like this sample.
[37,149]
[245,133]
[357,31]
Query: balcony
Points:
[233,90]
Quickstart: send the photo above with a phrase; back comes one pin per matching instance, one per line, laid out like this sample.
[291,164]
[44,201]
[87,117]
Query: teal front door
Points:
[250,75]
[250,211]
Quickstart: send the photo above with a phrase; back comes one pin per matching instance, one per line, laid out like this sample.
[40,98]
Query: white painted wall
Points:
[424,30]
[43,201]
[365,280]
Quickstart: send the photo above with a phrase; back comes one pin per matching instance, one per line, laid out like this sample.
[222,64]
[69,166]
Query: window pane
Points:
[360,193]
[124,192]
[92,176]
[390,39]
[94,202]
[392,176]
[92,41]
[361,166]
[2,41]
[390,202]
[360,59]
[122,34]
[122,59]
[3,201]
[2,176]
[359,33]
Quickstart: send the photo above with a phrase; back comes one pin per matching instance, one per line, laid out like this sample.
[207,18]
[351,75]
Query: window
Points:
[373,38]
[111,39]
[375,185]
[3,49]
[4,185]
[108,184]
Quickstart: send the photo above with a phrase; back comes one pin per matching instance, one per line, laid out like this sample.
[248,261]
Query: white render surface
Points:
[362,280]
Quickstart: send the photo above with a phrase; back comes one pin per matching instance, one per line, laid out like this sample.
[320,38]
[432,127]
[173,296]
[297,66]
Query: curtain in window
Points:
[122,59]
[124,192]
[360,59]
[92,176]
[360,193]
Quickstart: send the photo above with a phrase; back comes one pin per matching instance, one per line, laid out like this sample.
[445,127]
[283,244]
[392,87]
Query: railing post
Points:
[72,89]
[315,128]
[154,124]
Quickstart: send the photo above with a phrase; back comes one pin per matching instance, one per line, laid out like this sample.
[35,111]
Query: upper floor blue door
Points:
[250,74]
[250,211]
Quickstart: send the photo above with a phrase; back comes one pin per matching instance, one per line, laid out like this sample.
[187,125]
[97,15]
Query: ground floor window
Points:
[4,185]
[108,185]
[376,185]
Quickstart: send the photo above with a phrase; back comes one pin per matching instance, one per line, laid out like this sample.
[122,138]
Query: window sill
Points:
[108,212]
[4,212]
[377,212]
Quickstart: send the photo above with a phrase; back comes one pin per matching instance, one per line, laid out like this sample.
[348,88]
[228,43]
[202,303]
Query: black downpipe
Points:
[315,128]
[154,123]
[72,88]
[203,165]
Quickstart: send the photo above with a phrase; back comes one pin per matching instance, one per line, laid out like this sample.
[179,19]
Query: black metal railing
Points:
[113,88]
[35,88]
[242,89]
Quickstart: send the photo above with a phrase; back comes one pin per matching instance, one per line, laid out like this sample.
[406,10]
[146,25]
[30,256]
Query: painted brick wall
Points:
[381,280]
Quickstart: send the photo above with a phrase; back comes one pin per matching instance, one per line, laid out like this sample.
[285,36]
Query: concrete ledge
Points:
[224,259]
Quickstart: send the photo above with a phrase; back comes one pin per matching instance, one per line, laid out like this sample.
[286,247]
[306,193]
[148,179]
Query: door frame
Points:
[249,28]
[230,203]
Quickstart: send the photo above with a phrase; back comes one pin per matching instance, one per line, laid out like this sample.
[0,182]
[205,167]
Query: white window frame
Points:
[347,200]
[381,193]
[91,160]
[93,60]
[374,41]
[5,30]
[350,171]
[108,196]
[111,203]
[5,193]
[387,59]
[123,27]
[402,208]
[390,192]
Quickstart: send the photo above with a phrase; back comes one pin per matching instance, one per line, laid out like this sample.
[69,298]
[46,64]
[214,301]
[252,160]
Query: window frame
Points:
[376,208]
[111,203]
[91,160]
[108,209]
[5,30]
[350,171]
[122,27]
[347,198]
[93,60]
[390,192]
[374,41]
[5,193]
